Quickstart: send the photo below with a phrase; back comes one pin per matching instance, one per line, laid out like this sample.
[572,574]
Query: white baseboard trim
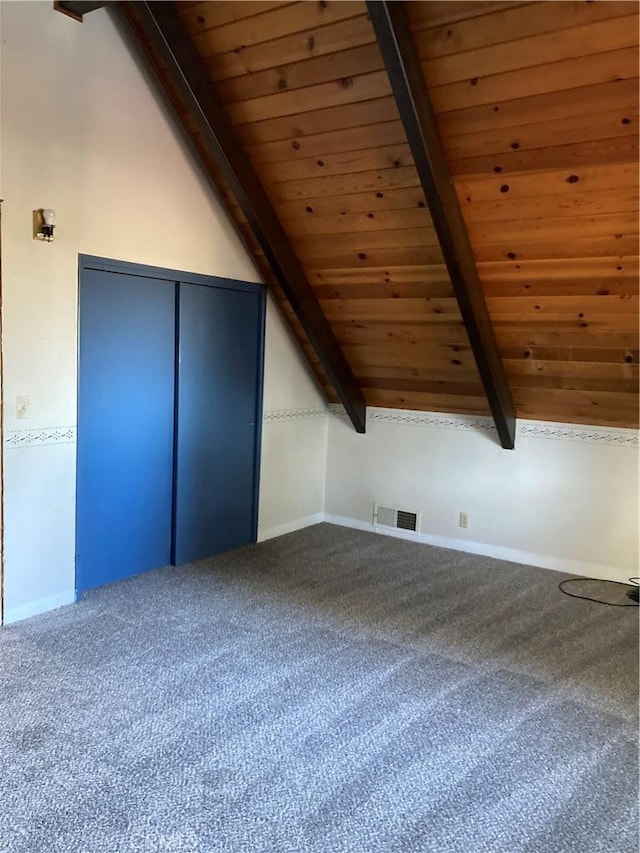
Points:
[35,608]
[290,526]
[512,555]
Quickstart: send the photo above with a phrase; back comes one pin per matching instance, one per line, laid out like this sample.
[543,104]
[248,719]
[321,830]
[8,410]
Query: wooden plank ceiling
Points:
[537,107]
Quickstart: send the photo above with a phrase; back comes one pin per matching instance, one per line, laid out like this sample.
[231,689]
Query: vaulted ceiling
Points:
[536,108]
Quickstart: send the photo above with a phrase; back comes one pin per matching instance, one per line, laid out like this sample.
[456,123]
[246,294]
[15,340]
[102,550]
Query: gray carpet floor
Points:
[330,691]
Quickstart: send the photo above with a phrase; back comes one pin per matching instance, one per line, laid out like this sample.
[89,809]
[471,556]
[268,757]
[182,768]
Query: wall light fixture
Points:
[45,223]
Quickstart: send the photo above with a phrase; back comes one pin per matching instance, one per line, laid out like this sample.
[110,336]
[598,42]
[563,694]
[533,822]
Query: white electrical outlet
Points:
[23,406]
[463,520]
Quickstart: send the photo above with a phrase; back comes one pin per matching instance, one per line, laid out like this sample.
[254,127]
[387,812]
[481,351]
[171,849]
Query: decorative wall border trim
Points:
[293,415]
[411,417]
[582,434]
[578,433]
[469,423]
[18,438]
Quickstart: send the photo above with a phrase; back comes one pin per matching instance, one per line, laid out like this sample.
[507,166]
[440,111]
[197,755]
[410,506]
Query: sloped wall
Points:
[84,132]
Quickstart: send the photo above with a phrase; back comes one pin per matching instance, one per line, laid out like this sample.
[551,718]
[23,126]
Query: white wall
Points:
[294,439]
[82,131]
[565,498]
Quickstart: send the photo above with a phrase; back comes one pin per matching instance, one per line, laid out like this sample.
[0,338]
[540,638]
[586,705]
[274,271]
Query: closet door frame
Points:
[92,262]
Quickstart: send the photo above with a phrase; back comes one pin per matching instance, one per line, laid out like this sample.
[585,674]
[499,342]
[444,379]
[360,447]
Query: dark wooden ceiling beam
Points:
[158,28]
[414,104]
[76,10]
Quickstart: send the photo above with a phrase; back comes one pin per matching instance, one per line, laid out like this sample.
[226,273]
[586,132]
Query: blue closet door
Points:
[219,400]
[126,401]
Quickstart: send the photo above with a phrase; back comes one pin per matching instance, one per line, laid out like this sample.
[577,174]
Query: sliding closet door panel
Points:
[219,382]
[125,426]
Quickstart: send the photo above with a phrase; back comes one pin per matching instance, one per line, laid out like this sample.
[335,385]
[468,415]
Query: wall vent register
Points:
[398,519]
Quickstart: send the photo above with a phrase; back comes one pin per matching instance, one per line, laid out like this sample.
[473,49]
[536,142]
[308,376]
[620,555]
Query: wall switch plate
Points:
[463,520]
[23,406]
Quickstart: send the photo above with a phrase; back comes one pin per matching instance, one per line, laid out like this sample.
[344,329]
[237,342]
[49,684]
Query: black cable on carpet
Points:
[630,590]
